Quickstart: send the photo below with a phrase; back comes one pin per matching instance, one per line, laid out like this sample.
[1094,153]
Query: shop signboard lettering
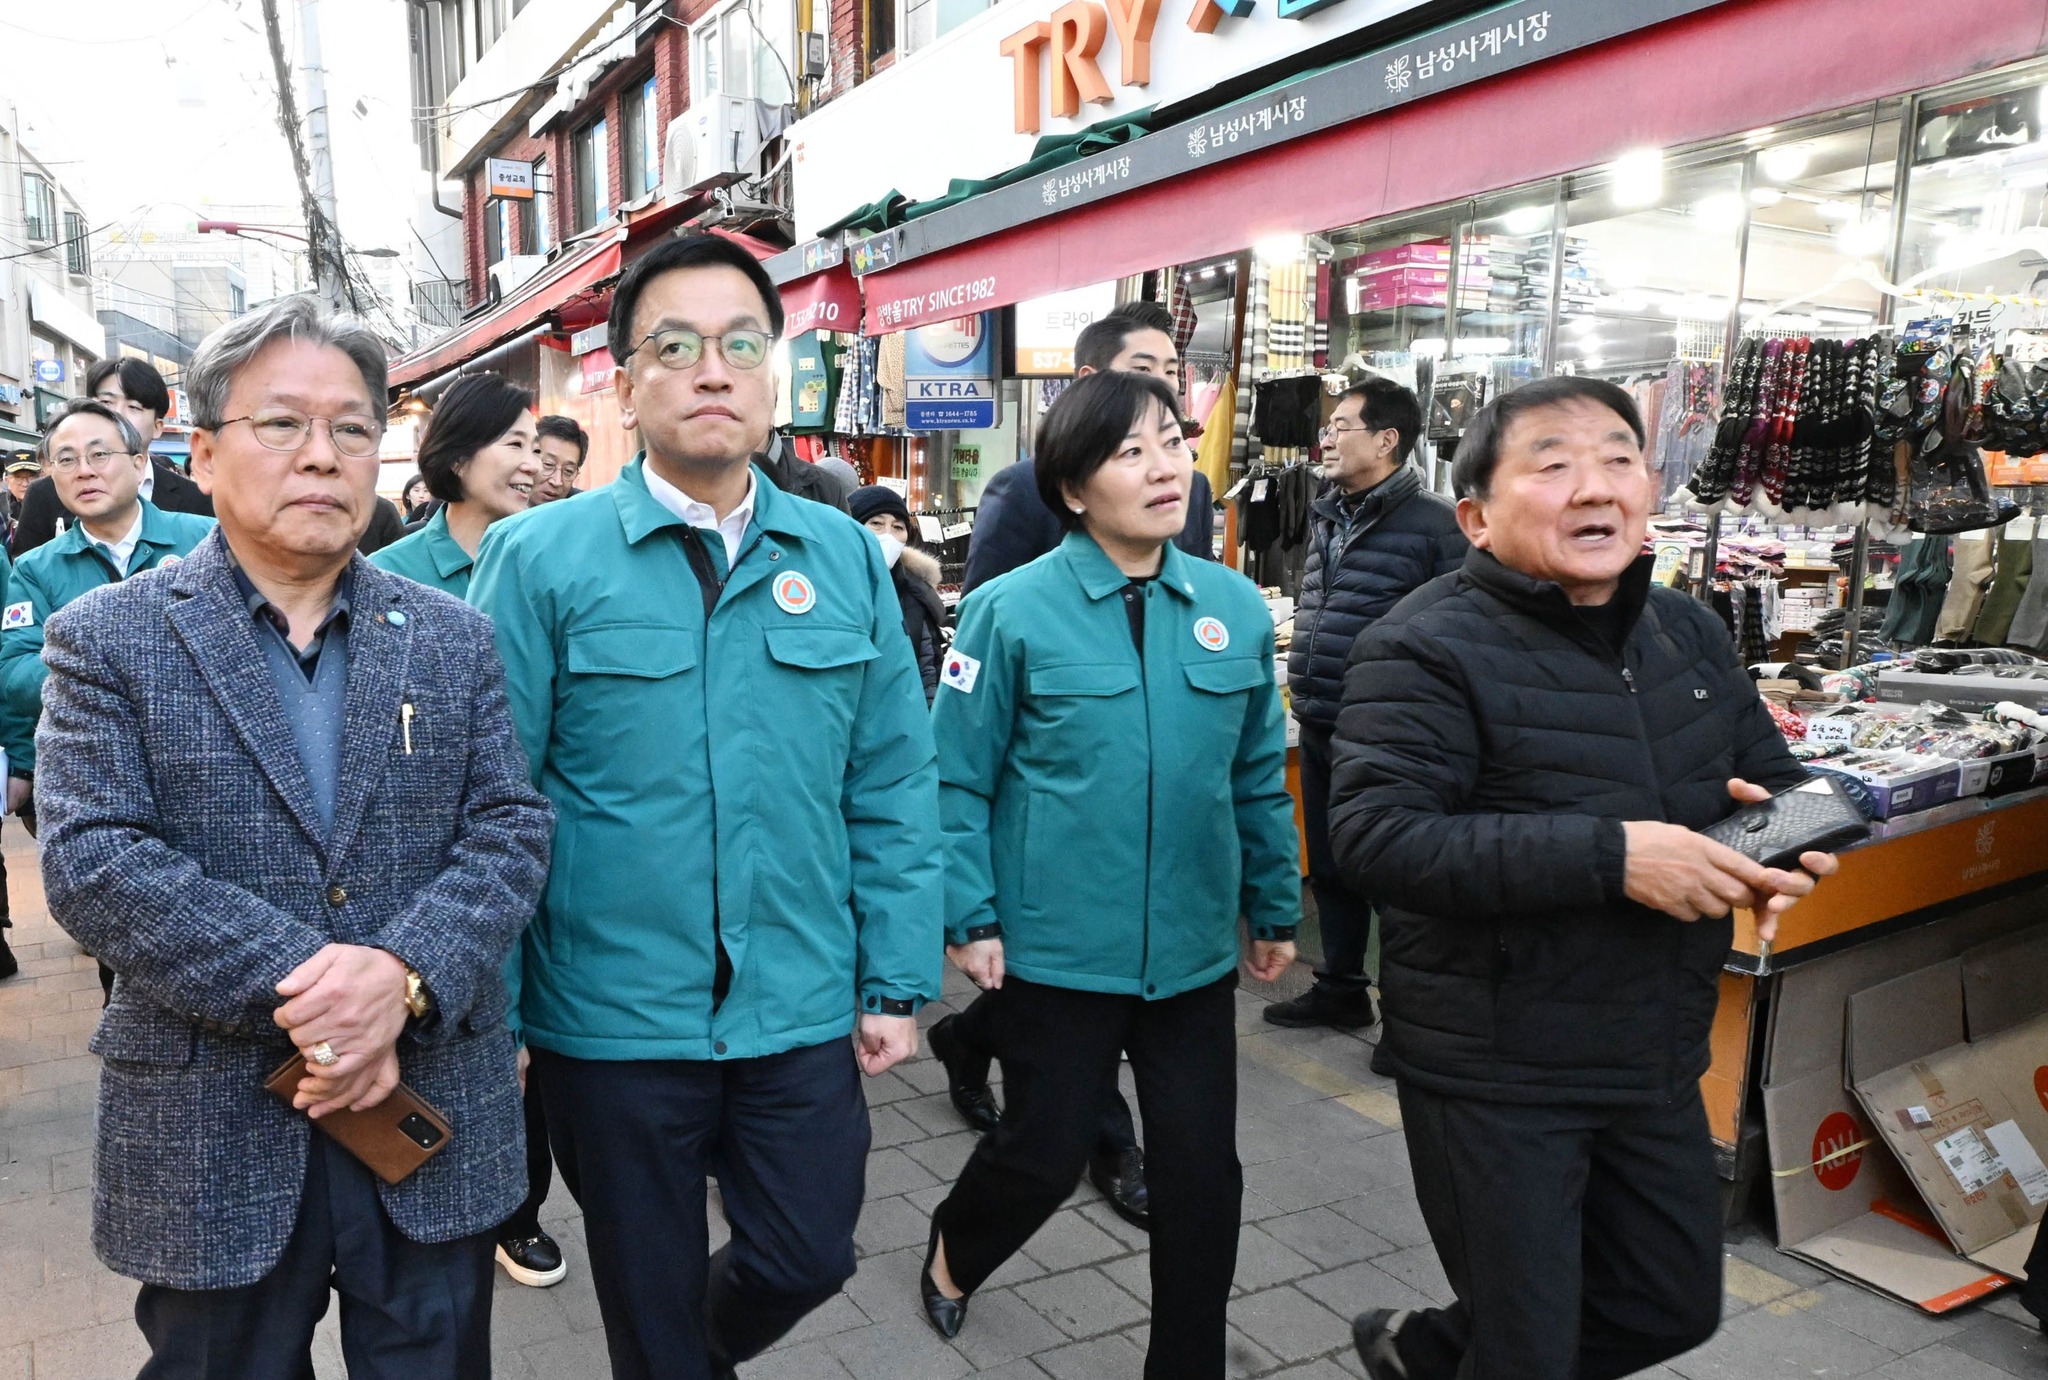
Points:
[596,370]
[508,179]
[967,464]
[1455,54]
[1046,328]
[949,375]
[49,371]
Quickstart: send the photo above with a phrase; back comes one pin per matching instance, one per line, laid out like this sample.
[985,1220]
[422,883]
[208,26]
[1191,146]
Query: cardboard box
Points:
[1896,783]
[1950,1066]
[2014,772]
[1841,1199]
[1974,692]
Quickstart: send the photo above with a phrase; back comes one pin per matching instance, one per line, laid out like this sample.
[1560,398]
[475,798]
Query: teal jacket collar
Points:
[443,550]
[774,510]
[1100,577]
[155,532]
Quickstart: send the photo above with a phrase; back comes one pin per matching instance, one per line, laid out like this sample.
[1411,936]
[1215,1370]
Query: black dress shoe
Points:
[966,1079]
[1340,1008]
[8,967]
[1120,1177]
[945,1315]
[533,1260]
[1374,1335]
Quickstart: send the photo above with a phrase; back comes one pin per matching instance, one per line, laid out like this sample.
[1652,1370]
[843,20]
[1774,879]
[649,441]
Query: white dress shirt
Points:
[120,552]
[148,486]
[700,515]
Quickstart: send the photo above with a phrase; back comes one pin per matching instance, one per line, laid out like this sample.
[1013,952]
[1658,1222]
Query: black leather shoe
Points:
[945,1315]
[533,1260]
[1373,1334]
[1120,1177]
[966,1079]
[1340,1008]
[8,967]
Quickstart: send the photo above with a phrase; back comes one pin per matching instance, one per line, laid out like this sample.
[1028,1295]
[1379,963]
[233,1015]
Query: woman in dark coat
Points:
[884,513]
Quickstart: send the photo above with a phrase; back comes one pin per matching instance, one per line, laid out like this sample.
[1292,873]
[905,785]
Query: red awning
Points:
[556,289]
[828,301]
[1727,69]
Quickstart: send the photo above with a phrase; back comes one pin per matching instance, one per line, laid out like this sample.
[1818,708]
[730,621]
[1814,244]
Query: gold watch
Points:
[416,999]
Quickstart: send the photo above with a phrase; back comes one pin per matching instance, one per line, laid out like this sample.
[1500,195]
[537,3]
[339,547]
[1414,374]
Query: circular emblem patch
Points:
[793,593]
[1211,633]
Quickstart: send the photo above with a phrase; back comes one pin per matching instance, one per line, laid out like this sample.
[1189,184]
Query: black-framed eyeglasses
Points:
[95,460]
[285,431]
[681,348]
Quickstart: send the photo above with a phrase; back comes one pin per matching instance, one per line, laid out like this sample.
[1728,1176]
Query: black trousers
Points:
[2034,1293]
[975,1029]
[524,1224]
[408,1311]
[1345,917]
[787,1136]
[1060,1053]
[1583,1242]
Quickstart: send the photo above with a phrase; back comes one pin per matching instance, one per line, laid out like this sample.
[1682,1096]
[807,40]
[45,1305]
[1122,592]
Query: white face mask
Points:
[892,547]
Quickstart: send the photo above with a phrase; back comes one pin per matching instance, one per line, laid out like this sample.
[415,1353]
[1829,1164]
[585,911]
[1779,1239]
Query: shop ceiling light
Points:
[1785,162]
[1722,211]
[1638,177]
[1835,210]
[1863,237]
[1278,249]
[1765,196]
[1526,220]
[1428,346]
[1835,316]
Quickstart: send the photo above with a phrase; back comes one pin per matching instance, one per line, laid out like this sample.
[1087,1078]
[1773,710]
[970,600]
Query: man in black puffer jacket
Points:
[1525,750]
[1376,537]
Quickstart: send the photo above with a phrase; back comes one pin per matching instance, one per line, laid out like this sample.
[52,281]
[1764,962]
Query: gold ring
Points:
[323,1054]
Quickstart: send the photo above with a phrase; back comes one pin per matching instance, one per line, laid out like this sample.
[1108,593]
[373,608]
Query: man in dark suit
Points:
[281,794]
[1012,525]
[135,390]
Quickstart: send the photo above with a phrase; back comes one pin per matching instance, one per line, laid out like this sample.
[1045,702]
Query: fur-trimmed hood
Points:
[917,563]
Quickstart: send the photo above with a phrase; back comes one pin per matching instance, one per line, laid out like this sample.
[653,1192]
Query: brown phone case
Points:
[393,1138]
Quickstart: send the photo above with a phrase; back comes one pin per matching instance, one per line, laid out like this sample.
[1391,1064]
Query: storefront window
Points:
[1975,204]
[1820,203]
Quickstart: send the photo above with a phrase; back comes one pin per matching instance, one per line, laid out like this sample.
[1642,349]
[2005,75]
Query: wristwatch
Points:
[416,999]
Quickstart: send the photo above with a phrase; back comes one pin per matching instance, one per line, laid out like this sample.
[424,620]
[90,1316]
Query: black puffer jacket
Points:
[1364,557]
[1489,749]
[924,613]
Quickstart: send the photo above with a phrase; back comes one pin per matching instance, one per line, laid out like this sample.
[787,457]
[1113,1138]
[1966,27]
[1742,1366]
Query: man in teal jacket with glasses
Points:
[711,682]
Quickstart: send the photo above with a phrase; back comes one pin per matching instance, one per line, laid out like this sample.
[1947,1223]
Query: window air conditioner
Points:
[720,126]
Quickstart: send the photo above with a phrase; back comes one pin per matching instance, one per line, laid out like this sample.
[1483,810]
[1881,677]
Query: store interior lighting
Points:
[1427,346]
[1765,196]
[1278,249]
[1722,211]
[1638,177]
[1785,162]
[1835,210]
[1863,236]
[1526,220]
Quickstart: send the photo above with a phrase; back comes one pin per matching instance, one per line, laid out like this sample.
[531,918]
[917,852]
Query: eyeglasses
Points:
[682,349]
[1332,429]
[94,460]
[283,430]
[564,472]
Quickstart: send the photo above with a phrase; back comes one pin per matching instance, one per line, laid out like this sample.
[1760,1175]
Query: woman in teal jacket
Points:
[1112,787]
[481,457]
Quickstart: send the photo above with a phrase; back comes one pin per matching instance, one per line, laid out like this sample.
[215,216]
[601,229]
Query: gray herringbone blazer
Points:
[181,844]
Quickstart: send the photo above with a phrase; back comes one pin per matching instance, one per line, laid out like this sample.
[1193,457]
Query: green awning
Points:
[1052,151]
[14,436]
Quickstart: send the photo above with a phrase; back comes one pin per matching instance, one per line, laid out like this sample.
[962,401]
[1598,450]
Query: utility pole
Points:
[316,181]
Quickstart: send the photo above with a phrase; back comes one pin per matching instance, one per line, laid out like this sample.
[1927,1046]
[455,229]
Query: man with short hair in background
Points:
[563,447]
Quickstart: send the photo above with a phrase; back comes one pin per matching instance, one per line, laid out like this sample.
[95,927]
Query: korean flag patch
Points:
[21,615]
[960,671]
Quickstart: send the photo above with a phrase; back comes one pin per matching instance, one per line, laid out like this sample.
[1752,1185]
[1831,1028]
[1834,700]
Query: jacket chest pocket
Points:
[1221,696]
[817,673]
[638,651]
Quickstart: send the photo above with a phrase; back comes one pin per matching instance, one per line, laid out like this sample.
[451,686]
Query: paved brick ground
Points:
[1330,1227]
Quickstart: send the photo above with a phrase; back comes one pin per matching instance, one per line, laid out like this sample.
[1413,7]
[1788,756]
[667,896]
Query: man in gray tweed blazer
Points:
[281,795]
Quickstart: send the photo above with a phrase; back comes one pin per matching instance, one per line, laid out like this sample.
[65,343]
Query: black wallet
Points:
[1818,815]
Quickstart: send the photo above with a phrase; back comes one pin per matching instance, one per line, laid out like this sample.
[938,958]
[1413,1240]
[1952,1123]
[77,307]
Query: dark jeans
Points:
[408,1311]
[787,1136]
[1583,1242]
[1344,916]
[975,1029]
[524,1224]
[1060,1051]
